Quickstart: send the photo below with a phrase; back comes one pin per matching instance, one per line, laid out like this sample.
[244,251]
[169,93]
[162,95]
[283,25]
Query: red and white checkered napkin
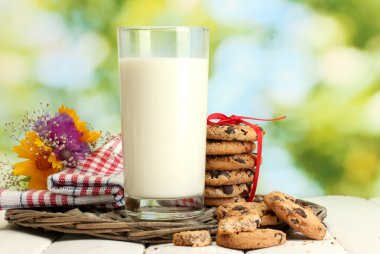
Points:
[98,180]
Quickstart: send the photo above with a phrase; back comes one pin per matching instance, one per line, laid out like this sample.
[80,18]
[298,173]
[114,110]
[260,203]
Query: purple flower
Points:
[65,140]
[40,126]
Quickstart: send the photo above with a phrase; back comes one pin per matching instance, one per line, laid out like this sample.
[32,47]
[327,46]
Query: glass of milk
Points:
[164,83]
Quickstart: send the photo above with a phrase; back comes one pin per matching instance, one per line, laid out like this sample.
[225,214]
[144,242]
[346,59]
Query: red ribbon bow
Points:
[223,119]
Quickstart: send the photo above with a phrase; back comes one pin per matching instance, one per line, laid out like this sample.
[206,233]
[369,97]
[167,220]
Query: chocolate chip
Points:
[250,173]
[230,130]
[217,173]
[244,195]
[294,221]
[240,208]
[279,236]
[290,198]
[242,161]
[257,223]
[300,212]
[244,132]
[275,198]
[228,189]
[214,173]
[303,205]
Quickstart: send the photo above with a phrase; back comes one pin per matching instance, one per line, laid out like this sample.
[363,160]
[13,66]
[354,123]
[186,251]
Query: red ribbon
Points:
[223,119]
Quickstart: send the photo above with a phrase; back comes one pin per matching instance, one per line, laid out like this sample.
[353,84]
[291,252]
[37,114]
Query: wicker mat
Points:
[116,224]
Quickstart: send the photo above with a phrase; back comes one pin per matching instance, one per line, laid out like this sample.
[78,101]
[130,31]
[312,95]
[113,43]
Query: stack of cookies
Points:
[230,163]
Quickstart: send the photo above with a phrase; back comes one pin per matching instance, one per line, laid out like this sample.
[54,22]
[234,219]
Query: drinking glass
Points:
[164,83]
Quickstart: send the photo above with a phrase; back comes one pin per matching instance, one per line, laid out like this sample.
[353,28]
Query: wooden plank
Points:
[376,201]
[18,241]
[353,221]
[171,249]
[78,244]
[300,244]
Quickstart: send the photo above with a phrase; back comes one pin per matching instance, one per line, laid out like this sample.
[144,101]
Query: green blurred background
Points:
[318,62]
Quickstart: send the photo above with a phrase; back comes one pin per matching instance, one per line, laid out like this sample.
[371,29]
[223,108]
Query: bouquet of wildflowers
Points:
[50,143]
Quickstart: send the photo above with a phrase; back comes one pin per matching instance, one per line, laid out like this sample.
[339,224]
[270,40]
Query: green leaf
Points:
[26,179]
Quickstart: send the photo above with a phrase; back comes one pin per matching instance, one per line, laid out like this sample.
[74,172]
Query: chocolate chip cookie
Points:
[235,224]
[295,215]
[221,201]
[214,147]
[231,132]
[230,162]
[268,218]
[259,238]
[238,209]
[226,177]
[225,191]
[192,238]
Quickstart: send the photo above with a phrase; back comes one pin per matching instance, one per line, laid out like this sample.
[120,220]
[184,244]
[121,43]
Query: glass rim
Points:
[163,28]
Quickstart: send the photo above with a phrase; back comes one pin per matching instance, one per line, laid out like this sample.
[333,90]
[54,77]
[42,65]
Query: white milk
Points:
[164,107]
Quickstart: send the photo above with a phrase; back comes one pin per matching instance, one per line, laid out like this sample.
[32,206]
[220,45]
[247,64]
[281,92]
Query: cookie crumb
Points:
[192,238]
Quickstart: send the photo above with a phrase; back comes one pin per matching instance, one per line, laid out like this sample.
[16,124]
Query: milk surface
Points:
[164,107]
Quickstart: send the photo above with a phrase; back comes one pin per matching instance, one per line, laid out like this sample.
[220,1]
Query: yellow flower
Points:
[87,136]
[40,164]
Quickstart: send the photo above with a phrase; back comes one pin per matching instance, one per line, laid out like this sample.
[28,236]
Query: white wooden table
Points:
[353,227]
